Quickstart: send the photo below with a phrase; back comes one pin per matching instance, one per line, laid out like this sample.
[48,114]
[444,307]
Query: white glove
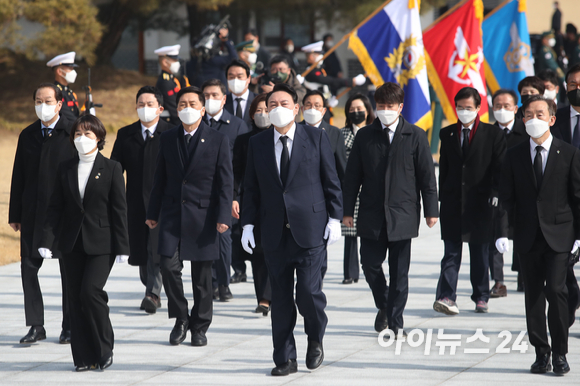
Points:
[248,241]
[332,102]
[493,201]
[502,245]
[576,246]
[45,253]
[300,78]
[121,259]
[332,231]
[360,79]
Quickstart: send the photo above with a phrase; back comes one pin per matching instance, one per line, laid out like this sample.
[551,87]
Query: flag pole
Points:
[452,9]
[313,66]
[506,2]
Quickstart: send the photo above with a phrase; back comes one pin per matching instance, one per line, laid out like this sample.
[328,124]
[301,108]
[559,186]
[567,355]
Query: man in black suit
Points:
[505,106]
[240,97]
[469,168]
[136,149]
[392,162]
[191,199]
[292,189]
[540,183]
[567,128]
[219,119]
[42,146]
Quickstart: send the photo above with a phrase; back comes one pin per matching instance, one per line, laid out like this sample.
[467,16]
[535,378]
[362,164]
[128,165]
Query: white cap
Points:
[168,50]
[67,59]
[313,47]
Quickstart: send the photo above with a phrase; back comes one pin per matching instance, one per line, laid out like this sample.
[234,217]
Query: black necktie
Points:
[576,138]
[284,160]
[538,166]
[506,131]
[187,138]
[239,108]
[147,135]
[45,132]
[465,145]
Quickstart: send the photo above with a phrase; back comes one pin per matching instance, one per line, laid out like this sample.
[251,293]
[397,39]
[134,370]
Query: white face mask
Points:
[189,115]
[147,114]
[319,60]
[213,106]
[550,94]
[262,121]
[536,127]
[174,67]
[45,112]
[70,76]
[312,116]
[503,116]
[290,48]
[85,144]
[552,42]
[237,86]
[329,43]
[387,117]
[466,116]
[281,116]
[252,58]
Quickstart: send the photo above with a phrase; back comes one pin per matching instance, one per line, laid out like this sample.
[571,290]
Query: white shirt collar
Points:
[573,112]
[244,96]
[355,129]
[392,126]
[316,125]
[546,145]
[192,133]
[151,129]
[510,126]
[51,126]
[289,134]
[217,116]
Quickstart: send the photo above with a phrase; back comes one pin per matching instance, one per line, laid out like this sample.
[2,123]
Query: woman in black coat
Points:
[259,122]
[88,217]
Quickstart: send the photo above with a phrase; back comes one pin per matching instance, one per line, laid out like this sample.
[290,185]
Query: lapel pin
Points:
[452,134]
[558,151]
[202,140]
[97,176]
[228,121]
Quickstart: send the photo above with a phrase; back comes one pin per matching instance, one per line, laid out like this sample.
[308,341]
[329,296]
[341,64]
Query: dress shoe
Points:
[82,368]
[262,309]
[481,307]
[198,339]
[401,332]
[35,334]
[179,332]
[314,355]
[216,294]
[498,291]
[289,367]
[381,321]
[347,281]
[150,304]
[64,337]
[560,364]
[542,364]
[446,306]
[106,362]
[225,293]
[239,277]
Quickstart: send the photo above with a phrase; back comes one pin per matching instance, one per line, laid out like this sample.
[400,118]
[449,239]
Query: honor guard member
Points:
[170,82]
[546,57]
[63,67]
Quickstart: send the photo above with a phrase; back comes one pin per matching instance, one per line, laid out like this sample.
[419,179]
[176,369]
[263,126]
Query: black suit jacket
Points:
[33,178]
[393,179]
[517,135]
[240,159]
[190,199]
[138,159]
[562,129]
[338,147]
[229,106]
[312,193]
[101,216]
[553,208]
[467,185]
[230,125]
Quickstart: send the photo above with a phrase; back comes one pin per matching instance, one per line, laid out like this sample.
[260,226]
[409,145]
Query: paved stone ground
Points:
[240,346]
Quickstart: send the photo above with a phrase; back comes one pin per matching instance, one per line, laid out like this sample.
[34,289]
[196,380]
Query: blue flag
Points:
[506,46]
[390,48]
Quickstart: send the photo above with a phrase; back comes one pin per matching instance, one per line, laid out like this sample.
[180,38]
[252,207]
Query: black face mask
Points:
[574,97]
[356,117]
[524,98]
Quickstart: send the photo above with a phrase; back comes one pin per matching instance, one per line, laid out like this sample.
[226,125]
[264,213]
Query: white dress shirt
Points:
[151,129]
[185,132]
[468,128]
[278,144]
[243,102]
[355,129]
[219,115]
[86,162]
[545,151]
[510,126]
[392,128]
[574,115]
[49,127]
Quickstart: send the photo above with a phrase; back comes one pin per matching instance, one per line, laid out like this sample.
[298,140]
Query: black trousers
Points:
[394,298]
[495,263]
[202,310]
[478,273]
[239,256]
[150,273]
[545,278]
[282,263]
[92,337]
[33,303]
[221,273]
[351,264]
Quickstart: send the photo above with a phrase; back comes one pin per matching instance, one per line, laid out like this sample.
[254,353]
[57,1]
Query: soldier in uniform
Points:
[170,82]
[546,57]
[63,67]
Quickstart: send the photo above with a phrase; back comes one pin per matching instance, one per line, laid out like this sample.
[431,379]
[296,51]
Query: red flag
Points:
[454,55]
